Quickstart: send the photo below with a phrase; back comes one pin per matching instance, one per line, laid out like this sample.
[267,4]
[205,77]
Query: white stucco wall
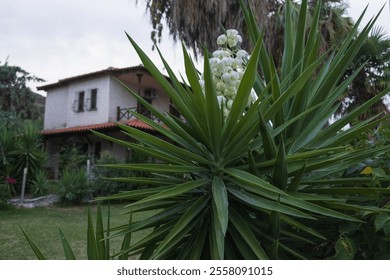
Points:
[89,117]
[161,102]
[60,101]
[55,114]
[119,97]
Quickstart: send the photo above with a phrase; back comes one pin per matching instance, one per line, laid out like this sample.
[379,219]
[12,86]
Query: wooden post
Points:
[88,168]
[23,185]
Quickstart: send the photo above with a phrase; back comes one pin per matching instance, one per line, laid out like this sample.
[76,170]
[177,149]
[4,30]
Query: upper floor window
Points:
[85,101]
[92,100]
[79,102]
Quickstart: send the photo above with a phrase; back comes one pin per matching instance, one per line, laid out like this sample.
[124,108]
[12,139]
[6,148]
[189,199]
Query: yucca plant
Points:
[27,151]
[260,181]
[41,183]
[73,186]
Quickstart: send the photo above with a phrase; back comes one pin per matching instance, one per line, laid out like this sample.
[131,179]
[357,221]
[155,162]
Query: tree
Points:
[15,95]
[334,22]
[198,22]
[373,77]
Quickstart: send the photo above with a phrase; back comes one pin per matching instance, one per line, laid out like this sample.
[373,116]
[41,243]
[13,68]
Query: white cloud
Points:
[57,39]
[54,39]
[374,6]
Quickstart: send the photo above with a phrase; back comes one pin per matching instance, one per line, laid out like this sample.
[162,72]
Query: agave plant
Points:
[262,181]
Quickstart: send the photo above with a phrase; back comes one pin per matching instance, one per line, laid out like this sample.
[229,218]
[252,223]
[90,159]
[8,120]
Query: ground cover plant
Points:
[256,177]
[42,226]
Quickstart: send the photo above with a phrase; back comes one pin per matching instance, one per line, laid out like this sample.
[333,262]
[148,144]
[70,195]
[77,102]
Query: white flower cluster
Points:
[227,67]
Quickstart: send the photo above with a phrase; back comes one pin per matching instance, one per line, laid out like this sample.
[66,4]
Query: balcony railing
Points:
[127,113]
[124,113]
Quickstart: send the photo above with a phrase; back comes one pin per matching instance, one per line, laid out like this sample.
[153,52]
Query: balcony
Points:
[127,113]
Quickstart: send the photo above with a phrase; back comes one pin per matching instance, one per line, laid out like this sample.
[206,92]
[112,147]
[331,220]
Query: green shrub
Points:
[20,148]
[370,239]
[71,155]
[5,194]
[73,187]
[41,184]
[6,191]
[106,181]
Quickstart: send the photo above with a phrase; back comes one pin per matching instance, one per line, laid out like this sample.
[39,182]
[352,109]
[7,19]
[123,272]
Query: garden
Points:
[253,170]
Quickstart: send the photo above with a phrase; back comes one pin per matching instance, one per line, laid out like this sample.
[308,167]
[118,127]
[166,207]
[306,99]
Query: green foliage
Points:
[5,194]
[15,95]
[28,151]
[345,249]
[41,184]
[72,157]
[265,181]
[7,145]
[73,186]
[107,181]
[369,239]
[21,147]
[373,77]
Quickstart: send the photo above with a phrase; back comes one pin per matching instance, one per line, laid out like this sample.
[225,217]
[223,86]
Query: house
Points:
[97,101]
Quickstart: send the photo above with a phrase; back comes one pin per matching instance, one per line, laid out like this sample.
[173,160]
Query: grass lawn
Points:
[42,224]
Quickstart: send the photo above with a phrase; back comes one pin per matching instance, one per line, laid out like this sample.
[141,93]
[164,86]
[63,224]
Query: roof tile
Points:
[133,123]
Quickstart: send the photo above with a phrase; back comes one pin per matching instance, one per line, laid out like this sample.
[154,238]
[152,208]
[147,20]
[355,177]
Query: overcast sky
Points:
[55,39]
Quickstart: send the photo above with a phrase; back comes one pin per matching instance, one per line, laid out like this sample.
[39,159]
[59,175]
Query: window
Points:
[93,100]
[80,107]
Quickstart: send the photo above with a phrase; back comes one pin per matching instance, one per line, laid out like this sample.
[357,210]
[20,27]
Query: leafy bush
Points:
[5,194]
[6,191]
[41,184]
[261,179]
[107,181]
[21,147]
[73,186]
[370,239]
[71,156]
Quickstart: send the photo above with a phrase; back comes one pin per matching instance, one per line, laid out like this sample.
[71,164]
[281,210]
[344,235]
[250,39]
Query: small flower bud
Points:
[222,39]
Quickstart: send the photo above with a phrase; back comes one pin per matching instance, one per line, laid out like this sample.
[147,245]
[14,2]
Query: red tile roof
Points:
[108,71]
[83,128]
